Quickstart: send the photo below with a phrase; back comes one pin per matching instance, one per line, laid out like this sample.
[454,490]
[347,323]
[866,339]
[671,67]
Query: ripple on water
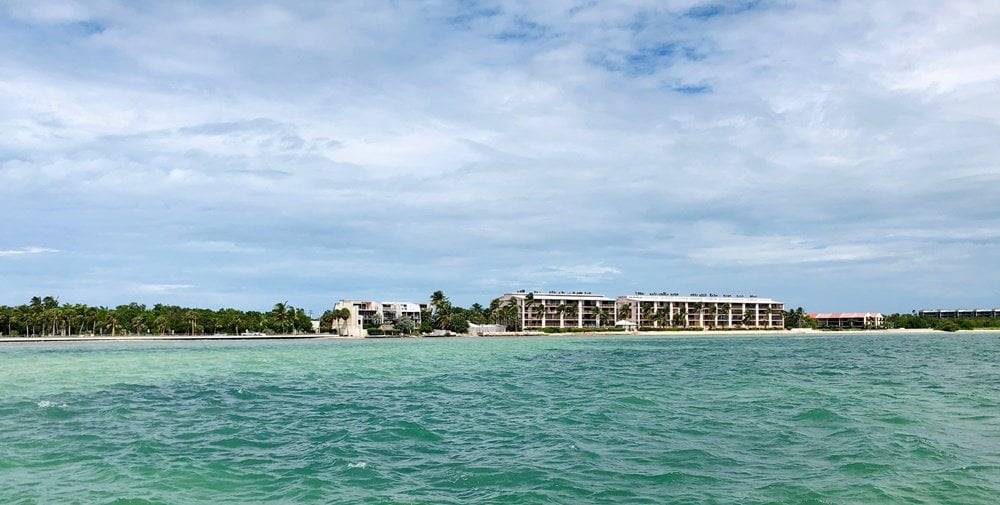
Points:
[863,468]
[820,416]
[565,420]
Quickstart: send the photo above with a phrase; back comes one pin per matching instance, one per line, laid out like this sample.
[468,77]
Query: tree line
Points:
[916,321]
[46,316]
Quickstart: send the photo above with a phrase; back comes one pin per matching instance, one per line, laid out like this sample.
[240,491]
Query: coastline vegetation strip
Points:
[916,321]
[46,317]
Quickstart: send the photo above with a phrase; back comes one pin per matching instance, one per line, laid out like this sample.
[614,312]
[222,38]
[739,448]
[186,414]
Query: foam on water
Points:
[840,419]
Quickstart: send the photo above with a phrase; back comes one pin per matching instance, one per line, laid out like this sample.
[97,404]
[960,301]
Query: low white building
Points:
[487,329]
[848,320]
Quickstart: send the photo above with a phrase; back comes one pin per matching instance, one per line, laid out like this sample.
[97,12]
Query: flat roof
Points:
[560,295]
[958,310]
[842,315]
[699,298]
[404,305]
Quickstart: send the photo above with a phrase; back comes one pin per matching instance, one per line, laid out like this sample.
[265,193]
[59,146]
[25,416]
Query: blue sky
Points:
[834,155]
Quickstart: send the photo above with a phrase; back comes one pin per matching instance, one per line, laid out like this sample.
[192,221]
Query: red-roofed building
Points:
[856,320]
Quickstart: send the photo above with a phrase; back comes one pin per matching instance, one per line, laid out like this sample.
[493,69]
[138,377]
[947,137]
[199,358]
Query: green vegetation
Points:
[914,321]
[333,319]
[445,316]
[405,326]
[46,316]
[798,318]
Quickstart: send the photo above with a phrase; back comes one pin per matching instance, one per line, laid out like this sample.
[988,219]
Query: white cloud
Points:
[22,251]
[755,251]
[162,288]
[585,273]
[403,146]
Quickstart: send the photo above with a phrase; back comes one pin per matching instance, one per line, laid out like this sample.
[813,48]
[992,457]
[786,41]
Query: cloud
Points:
[162,288]
[23,251]
[584,273]
[312,151]
[754,251]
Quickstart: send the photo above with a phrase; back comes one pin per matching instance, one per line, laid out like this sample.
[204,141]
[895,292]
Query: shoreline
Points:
[324,336]
[160,338]
[793,332]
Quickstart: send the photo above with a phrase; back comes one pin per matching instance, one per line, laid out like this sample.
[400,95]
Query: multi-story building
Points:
[370,312]
[393,311]
[958,313]
[673,310]
[854,320]
[562,309]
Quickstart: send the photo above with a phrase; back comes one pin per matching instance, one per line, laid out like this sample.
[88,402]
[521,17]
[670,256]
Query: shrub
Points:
[949,326]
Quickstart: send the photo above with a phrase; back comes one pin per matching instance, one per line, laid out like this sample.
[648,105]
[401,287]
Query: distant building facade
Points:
[394,311]
[848,320]
[959,313]
[707,311]
[373,313]
[562,309]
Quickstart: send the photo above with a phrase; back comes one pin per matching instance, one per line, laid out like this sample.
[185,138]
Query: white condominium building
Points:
[393,311]
[672,310]
[377,313]
[562,309]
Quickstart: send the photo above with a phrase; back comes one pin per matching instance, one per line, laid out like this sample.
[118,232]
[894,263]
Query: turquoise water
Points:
[833,419]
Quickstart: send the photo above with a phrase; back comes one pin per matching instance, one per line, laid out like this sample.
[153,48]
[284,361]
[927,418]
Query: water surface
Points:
[755,419]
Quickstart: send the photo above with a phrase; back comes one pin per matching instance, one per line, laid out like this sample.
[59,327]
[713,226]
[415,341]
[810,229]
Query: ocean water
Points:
[762,419]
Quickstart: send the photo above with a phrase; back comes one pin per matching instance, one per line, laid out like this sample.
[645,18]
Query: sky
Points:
[834,155]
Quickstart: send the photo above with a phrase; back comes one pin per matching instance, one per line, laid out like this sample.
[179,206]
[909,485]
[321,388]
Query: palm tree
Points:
[160,323]
[512,315]
[659,317]
[571,312]
[8,316]
[713,312]
[280,313]
[442,313]
[647,312]
[438,299]
[626,309]
[529,302]
[698,308]
[561,312]
[191,317]
[599,314]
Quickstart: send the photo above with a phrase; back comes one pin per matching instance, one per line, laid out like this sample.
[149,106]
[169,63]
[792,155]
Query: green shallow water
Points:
[833,419]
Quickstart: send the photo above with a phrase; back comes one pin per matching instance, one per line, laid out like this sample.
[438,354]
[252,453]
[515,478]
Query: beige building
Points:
[672,310]
[562,309]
